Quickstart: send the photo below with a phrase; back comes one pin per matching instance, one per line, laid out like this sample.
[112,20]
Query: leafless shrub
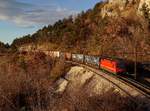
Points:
[81,100]
[26,84]
[59,69]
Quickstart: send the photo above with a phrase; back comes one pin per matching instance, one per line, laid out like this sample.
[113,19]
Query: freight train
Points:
[115,66]
[111,65]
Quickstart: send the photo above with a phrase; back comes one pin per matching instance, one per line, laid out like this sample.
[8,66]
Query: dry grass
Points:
[82,101]
[58,69]
[25,81]
[26,84]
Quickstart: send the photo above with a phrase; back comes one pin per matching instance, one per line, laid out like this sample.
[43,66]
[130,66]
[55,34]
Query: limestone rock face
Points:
[142,2]
[120,2]
[62,84]
[114,7]
[79,78]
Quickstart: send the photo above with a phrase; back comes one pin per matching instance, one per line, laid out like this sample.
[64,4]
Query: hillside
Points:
[108,29]
[35,82]
[3,47]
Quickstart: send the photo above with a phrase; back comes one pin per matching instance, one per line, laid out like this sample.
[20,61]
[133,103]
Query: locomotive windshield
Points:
[121,65]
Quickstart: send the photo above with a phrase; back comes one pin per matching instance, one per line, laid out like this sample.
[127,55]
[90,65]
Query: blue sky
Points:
[21,17]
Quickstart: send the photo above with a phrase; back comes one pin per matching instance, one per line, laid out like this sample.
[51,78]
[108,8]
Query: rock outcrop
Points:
[144,2]
[84,89]
[114,8]
[80,78]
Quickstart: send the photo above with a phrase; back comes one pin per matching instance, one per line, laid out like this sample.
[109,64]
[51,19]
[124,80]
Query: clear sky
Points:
[21,17]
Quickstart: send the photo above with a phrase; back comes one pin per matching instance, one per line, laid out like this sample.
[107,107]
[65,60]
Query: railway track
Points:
[139,88]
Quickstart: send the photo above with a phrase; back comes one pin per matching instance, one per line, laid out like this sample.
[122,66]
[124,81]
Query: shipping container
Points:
[62,55]
[53,54]
[68,56]
[78,57]
[92,60]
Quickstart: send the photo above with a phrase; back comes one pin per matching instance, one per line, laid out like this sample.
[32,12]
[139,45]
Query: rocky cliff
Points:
[83,90]
[114,8]
[81,78]
[110,28]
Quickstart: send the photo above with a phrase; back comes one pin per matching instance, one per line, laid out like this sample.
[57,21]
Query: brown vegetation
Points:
[81,100]
[90,33]
[26,84]
[26,81]
[3,47]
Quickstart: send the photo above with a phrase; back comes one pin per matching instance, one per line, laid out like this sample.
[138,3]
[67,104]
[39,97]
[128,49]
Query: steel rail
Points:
[145,90]
[141,87]
[138,87]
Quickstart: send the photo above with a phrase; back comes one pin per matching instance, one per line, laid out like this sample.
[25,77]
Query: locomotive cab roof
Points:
[112,58]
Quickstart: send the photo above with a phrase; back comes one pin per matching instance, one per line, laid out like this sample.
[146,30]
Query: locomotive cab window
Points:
[121,65]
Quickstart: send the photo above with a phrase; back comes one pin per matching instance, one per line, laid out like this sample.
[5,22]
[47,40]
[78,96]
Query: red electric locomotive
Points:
[114,66]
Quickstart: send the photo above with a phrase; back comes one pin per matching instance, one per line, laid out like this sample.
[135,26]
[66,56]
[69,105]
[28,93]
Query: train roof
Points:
[111,58]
